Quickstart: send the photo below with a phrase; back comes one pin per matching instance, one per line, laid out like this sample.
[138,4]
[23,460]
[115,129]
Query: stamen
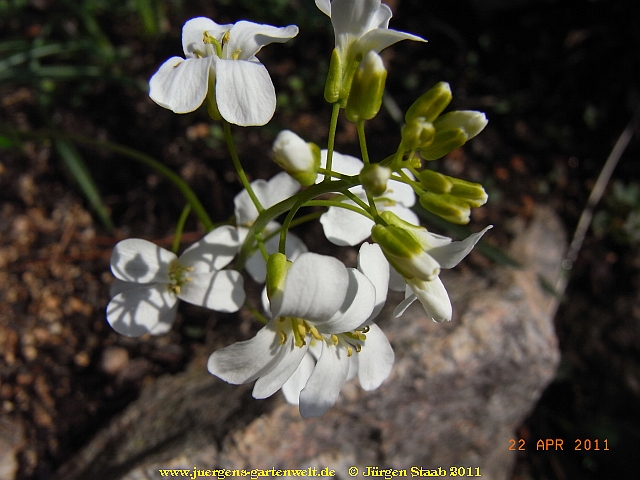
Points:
[315,333]
[236,54]
[358,348]
[366,329]
[361,336]
[283,337]
[349,351]
[334,339]
[226,36]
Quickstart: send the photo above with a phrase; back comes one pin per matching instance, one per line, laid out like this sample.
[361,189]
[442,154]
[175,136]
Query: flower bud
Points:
[470,192]
[404,252]
[333,85]
[299,159]
[446,206]
[277,268]
[453,129]
[430,104]
[374,178]
[365,96]
[435,182]
[418,133]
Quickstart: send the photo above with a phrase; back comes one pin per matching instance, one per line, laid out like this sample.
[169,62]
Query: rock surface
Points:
[456,394]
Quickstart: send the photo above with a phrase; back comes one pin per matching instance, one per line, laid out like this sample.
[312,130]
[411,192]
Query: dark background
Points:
[558,80]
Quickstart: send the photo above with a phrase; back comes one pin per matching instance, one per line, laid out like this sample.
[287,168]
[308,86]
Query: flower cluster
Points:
[319,324]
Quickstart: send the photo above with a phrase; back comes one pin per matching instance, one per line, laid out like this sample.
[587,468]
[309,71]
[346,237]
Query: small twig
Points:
[596,194]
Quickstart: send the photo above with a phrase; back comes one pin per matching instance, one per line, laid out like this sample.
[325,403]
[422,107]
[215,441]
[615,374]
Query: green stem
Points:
[238,166]
[140,157]
[365,158]
[333,203]
[332,138]
[179,228]
[279,208]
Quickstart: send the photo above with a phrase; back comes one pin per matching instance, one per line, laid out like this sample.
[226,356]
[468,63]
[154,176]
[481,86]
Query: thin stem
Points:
[332,138]
[140,157]
[179,228]
[238,166]
[365,158]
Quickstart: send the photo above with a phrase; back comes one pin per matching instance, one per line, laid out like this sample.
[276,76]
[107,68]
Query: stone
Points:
[455,397]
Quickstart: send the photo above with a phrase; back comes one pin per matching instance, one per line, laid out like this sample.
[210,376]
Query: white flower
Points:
[221,57]
[324,302]
[344,227]
[150,280]
[361,26]
[432,293]
[280,187]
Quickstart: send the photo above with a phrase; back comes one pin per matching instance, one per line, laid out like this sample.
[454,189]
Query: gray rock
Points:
[456,394]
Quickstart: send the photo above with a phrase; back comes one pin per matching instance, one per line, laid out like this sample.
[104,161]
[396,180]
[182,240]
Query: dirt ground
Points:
[558,81]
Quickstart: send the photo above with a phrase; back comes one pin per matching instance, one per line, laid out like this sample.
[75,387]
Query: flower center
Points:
[301,329]
[177,276]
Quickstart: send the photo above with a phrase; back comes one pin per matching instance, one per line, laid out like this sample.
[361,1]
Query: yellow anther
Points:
[366,329]
[226,36]
[361,336]
[349,351]
[302,329]
[206,38]
[315,333]
[236,54]
[358,348]
[283,337]
[176,289]
[334,339]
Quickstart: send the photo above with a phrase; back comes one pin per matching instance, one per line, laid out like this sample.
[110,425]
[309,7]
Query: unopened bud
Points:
[277,268]
[299,159]
[333,85]
[435,182]
[446,206]
[418,133]
[404,252]
[472,193]
[430,104]
[453,130]
[365,96]
[374,178]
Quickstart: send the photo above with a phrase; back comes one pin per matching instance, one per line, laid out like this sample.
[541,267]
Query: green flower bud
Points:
[446,206]
[333,84]
[470,192]
[374,178]
[418,133]
[277,268]
[453,129]
[404,252]
[299,159]
[435,182]
[365,96]
[430,104]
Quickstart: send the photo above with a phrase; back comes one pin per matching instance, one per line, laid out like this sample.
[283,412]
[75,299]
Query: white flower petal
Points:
[373,264]
[142,309]
[273,381]
[353,18]
[245,361]
[193,35]
[381,38]
[315,288]
[406,303]
[280,187]
[140,261]
[375,360]
[213,252]
[326,381]
[448,256]
[181,85]
[222,291]
[292,387]
[257,267]
[244,93]
[345,164]
[357,307]
[344,227]
[401,192]
[247,38]
[396,281]
[324,6]
[434,298]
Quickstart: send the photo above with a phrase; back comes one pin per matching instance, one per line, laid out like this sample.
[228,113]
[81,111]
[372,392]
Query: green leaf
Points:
[74,162]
